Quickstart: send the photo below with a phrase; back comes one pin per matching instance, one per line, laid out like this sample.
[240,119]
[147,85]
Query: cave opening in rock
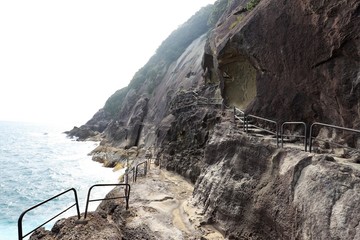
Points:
[239,82]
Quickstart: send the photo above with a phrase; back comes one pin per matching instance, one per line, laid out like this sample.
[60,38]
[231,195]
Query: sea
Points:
[38,162]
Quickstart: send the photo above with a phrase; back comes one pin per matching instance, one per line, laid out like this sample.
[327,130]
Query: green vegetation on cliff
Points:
[252,4]
[113,104]
[218,9]
[150,75]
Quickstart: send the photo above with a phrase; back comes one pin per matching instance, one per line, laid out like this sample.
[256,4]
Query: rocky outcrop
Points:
[126,129]
[81,133]
[252,190]
[107,222]
[97,227]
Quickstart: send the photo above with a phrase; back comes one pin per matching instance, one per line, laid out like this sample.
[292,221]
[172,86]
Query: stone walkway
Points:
[161,202]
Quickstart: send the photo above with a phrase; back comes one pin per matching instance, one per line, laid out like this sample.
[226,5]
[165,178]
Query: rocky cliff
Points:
[253,190]
[300,55]
[283,60]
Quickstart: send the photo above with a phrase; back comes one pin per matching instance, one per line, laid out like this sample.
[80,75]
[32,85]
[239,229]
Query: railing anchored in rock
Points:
[140,169]
[330,142]
[251,121]
[20,221]
[76,204]
[136,171]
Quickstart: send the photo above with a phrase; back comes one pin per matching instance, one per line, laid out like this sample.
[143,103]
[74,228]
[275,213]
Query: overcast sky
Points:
[61,60]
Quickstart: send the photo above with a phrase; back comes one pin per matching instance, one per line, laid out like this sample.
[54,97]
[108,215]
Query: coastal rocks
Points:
[114,157]
[126,129]
[99,121]
[107,222]
[92,129]
[252,190]
[98,227]
[81,133]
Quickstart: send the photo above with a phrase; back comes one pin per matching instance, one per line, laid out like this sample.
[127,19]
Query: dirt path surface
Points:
[161,203]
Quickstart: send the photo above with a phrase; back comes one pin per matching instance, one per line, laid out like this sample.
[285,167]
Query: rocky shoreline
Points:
[247,187]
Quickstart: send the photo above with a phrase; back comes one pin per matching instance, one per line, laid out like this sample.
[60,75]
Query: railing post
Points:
[310,137]
[145,169]
[87,202]
[127,195]
[277,135]
[133,173]
[305,137]
[20,231]
[136,172]
[234,116]
[77,204]
[282,135]
[246,123]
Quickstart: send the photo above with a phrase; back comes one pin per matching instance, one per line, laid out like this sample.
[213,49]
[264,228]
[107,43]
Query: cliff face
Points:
[251,190]
[283,60]
[300,55]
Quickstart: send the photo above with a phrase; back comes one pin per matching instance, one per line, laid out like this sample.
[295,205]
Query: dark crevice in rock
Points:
[162,199]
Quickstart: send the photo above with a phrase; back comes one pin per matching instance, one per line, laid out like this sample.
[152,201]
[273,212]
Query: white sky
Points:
[61,60]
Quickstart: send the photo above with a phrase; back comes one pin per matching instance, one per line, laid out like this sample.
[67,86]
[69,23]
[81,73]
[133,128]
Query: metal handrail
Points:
[276,133]
[137,167]
[307,139]
[301,136]
[126,175]
[330,126]
[238,118]
[20,230]
[127,195]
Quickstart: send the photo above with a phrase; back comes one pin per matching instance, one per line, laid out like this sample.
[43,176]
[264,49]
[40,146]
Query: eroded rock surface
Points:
[98,227]
[305,55]
[256,191]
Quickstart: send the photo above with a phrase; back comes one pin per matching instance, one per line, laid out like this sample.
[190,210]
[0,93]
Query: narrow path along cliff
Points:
[161,202]
[160,207]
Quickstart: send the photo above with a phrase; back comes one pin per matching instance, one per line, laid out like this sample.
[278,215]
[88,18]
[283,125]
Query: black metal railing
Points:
[20,230]
[242,117]
[297,136]
[245,120]
[145,163]
[333,127]
[126,195]
[149,160]
[275,133]
[128,173]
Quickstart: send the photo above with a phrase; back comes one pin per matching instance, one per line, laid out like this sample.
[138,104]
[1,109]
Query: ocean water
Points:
[38,162]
